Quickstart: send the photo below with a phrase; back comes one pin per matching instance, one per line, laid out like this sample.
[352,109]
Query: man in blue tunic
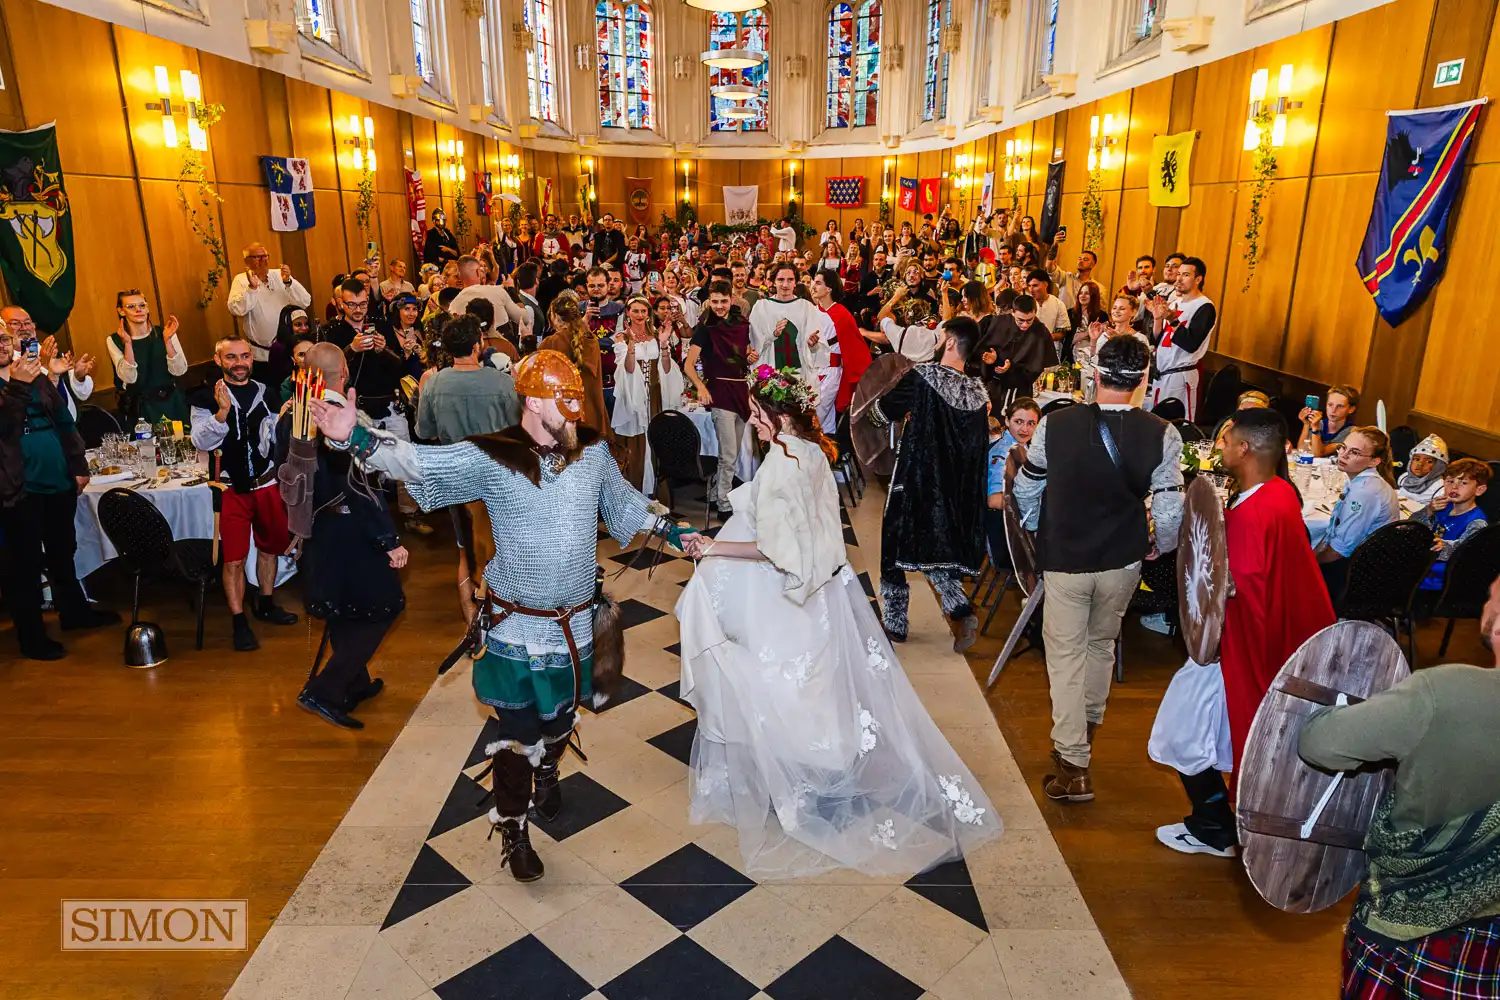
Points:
[547,482]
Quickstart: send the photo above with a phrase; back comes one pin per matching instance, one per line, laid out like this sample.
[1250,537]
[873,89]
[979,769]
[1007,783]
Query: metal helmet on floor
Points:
[145,645]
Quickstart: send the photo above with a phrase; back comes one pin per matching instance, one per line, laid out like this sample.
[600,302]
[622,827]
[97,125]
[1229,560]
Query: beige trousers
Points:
[1081,624]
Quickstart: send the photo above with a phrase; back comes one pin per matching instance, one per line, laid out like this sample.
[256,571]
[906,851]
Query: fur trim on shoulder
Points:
[518,451]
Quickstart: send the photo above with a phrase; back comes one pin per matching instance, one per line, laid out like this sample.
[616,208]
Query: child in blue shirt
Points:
[1021,418]
[1368,503]
[1454,515]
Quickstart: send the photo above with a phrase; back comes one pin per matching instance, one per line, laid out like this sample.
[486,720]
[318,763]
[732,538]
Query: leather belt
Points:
[259,482]
[563,617]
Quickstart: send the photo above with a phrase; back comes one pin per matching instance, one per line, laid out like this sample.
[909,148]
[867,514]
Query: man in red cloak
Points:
[1277,601]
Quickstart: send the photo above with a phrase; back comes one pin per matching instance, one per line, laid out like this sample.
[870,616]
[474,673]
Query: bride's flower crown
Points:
[784,386]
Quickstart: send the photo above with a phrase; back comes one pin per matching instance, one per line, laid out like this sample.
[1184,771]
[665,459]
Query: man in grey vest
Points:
[1088,472]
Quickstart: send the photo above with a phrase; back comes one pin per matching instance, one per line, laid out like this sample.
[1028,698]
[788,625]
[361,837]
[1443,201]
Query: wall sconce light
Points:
[192,95]
[510,173]
[362,138]
[961,164]
[1100,139]
[687,190]
[1259,83]
[1014,159]
[454,155]
[591,194]
[886,167]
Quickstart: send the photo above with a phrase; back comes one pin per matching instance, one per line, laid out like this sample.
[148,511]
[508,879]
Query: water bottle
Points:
[142,430]
[1304,455]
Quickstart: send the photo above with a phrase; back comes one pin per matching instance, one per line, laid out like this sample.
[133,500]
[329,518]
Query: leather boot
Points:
[546,796]
[515,847]
[1071,783]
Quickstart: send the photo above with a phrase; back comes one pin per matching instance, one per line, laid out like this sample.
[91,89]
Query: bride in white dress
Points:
[811,741]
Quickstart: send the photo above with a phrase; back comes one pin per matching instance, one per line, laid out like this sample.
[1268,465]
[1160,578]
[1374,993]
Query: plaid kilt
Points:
[1461,964]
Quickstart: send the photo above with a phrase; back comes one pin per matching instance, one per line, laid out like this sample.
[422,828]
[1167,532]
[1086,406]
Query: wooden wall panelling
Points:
[1351,134]
[111,255]
[245,211]
[86,96]
[1332,316]
[243,135]
[138,54]
[1308,52]
[425,157]
[1169,220]
[1076,148]
[1204,232]
[1458,380]
[327,251]
[709,178]
[1253,322]
[659,169]
[1150,116]
[312,132]
[1135,226]
[1220,101]
[12,113]
[181,263]
[1460,30]
[814,184]
[1487,142]
[394,233]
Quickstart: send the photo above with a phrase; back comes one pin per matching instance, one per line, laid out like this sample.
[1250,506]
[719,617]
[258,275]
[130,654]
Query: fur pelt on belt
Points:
[609,648]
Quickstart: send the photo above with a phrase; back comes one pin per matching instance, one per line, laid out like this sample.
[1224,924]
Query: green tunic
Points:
[154,393]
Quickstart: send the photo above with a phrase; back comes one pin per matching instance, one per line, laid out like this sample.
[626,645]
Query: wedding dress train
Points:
[811,741]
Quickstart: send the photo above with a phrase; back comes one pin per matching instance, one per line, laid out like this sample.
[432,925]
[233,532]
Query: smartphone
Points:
[31,348]
[1062,232]
[371,250]
[1312,402]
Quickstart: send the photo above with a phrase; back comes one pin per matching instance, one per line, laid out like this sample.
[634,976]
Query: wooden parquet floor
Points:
[203,779]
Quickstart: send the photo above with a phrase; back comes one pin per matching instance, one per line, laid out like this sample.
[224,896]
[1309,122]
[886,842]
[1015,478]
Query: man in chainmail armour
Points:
[548,481]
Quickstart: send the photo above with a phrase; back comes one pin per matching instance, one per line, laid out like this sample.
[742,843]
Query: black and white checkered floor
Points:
[408,900]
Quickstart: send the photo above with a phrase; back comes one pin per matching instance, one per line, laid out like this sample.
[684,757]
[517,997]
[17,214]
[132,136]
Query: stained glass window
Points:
[315,19]
[853,64]
[421,40]
[747,30]
[935,81]
[1145,26]
[624,50]
[541,59]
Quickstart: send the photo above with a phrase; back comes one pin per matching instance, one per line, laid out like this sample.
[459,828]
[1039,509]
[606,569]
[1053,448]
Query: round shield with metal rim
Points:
[1302,830]
[1202,571]
[1022,546]
[875,444]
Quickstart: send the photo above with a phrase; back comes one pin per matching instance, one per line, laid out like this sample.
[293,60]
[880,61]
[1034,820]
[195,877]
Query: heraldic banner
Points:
[907,201]
[36,243]
[638,199]
[740,204]
[927,202]
[1052,202]
[1406,244]
[1170,155]
[290,181]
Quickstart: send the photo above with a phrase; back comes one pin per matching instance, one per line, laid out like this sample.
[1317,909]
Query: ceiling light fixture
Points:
[726,6]
[732,58]
[735,92]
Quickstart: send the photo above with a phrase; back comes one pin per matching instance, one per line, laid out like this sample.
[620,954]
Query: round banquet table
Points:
[189,511]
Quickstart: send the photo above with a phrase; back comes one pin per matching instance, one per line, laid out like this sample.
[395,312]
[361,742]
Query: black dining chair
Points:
[93,423]
[1384,572]
[675,445]
[1055,405]
[1189,430]
[144,540]
[1474,565]
[1220,395]
[1403,440]
[1489,500]
[1171,410]
[846,469]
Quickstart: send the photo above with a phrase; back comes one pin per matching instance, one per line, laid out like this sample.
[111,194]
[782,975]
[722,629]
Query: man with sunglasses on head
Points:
[42,471]
[256,297]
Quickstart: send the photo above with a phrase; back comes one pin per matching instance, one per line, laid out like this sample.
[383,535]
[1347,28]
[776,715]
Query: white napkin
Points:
[118,477]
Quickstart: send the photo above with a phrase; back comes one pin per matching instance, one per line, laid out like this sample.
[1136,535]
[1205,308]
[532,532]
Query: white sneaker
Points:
[1177,837]
[1156,623]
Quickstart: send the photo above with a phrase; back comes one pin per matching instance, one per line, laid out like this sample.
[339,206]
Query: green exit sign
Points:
[1449,73]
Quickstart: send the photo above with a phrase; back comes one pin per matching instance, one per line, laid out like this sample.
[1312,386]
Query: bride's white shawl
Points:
[794,505]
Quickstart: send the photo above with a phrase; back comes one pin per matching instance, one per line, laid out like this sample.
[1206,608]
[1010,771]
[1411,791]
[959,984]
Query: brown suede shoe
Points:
[1071,784]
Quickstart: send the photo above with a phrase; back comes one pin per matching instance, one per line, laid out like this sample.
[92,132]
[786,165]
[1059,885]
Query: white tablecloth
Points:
[189,510]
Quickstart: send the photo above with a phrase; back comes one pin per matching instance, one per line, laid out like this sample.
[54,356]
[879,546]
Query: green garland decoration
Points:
[1093,214]
[885,211]
[364,207]
[463,223]
[1015,193]
[201,207]
[1264,168]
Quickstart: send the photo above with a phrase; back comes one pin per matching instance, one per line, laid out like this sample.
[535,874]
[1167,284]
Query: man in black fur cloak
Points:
[934,514]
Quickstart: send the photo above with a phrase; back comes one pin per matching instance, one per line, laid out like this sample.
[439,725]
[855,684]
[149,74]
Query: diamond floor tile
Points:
[625,690]
[840,971]
[431,880]
[683,970]
[678,741]
[527,970]
[466,801]
[585,802]
[687,886]
[949,886]
[634,612]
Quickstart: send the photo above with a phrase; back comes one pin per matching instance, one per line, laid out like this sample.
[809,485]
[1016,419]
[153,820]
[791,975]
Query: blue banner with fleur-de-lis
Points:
[290,181]
[1406,244]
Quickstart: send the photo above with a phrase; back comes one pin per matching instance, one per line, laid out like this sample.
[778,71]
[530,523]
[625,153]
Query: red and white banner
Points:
[544,198]
[416,210]
[931,188]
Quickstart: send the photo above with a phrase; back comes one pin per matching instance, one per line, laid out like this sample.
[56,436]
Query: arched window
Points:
[982,56]
[624,48]
[747,30]
[853,64]
[421,41]
[1043,43]
[541,59]
[935,83]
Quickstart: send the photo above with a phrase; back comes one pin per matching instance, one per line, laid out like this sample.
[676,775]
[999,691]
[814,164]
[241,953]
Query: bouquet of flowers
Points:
[785,386]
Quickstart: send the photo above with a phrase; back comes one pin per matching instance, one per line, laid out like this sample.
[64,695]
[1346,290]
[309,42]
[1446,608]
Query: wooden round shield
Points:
[1202,571]
[875,446]
[1299,857]
[1022,546]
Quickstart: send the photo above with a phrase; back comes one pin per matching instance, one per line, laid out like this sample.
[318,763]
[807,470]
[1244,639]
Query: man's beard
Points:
[237,375]
[564,432]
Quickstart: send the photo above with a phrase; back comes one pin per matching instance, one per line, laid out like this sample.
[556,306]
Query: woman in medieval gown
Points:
[811,741]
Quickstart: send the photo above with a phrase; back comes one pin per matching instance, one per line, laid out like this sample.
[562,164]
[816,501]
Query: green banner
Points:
[36,242]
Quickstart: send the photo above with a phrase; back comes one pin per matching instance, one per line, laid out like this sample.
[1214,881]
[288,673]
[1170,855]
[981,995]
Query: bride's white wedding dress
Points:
[811,741]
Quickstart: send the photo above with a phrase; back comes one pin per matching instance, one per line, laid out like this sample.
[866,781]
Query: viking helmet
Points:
[145,645]
[550,375]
